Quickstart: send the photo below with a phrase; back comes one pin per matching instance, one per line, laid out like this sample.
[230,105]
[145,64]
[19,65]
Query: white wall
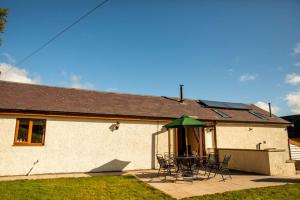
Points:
[209,138]
[73,145]
[77,145]
[268,162]
[236,136]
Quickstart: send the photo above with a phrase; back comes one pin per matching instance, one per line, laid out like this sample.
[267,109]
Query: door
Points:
[181,142]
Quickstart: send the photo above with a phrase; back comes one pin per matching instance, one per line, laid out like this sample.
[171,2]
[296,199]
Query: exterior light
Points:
[117,125]
[114,126]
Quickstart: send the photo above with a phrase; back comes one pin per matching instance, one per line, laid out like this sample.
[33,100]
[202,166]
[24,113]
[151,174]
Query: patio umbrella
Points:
[184,122]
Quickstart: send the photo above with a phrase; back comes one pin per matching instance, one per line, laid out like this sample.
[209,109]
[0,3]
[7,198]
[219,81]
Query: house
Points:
[294,137]
[58,130]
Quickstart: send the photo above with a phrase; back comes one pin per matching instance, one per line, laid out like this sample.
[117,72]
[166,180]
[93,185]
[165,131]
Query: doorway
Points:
[181,142]
[195,141]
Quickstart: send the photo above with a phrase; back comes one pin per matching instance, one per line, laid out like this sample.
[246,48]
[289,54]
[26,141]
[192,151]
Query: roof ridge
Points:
[108,92]
[91,90]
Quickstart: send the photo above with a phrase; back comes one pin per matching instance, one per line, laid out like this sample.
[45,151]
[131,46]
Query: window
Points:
[258,115]
[221,113]
[30,132]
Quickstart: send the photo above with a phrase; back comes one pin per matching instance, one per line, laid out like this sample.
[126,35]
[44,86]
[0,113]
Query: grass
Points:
[124,187]
[288,191]
[101,187]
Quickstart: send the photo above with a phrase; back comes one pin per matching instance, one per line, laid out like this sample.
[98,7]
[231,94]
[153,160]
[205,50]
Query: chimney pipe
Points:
[181,93]
[270,109]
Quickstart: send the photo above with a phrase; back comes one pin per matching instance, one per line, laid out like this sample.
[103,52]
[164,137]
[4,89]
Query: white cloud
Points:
[293,100]
[76,82]
[265,106]
[12,73]
[8,58]
[293,79]
[297,48]
[297,64]
[247,77]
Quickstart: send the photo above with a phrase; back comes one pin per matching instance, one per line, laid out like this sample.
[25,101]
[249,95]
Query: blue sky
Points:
[240,51]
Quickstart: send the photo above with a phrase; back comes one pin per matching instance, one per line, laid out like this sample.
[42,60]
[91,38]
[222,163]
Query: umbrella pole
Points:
[199,141]
[176,141]
[186,142]
[169,145]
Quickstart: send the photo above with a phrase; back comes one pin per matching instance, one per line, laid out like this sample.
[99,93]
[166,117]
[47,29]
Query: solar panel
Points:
[221,113]
[219,104]
[258,115]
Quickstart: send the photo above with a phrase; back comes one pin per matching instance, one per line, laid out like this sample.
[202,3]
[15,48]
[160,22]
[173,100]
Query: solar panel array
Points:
[229,105]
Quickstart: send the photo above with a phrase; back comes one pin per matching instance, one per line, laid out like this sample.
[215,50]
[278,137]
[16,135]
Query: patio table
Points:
[186,160]
[185,166]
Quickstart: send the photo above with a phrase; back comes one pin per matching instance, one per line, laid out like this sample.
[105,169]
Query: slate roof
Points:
[20,97]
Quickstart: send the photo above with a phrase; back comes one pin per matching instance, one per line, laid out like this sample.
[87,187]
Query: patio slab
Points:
[239,181]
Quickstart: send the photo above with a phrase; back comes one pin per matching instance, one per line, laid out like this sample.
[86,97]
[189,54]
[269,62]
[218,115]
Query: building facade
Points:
[57,130]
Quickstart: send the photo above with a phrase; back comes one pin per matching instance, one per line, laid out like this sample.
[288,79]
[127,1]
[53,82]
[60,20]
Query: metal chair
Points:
[222,167]
[201,162]
[168,155]
[171,159]
[164,166]
[210,164]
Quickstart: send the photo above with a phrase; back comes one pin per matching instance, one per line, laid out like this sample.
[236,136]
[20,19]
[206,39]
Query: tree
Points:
[3,15]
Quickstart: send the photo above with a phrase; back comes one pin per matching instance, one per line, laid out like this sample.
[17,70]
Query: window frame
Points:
[29,135]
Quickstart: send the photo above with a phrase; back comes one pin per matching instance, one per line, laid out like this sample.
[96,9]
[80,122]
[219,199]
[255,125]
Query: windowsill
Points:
[26,144]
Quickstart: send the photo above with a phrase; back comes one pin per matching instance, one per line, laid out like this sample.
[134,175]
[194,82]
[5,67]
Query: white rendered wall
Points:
[235,136]
[78,145]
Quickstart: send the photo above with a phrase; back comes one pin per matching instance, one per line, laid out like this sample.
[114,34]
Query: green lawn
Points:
[124,187]
[101,187]
[288,192]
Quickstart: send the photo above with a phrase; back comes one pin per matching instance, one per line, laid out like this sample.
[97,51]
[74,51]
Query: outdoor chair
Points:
[169,155]
[210,164]
[171,159]
[164,166]
[222,168]
[201,163]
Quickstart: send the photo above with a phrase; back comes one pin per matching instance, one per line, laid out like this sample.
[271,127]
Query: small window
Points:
[221,113]
[258,115]
[30,132]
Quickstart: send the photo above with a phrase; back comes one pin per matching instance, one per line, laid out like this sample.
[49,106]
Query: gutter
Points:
[120,117]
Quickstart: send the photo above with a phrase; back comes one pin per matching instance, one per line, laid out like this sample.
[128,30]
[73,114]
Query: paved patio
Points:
[239,181]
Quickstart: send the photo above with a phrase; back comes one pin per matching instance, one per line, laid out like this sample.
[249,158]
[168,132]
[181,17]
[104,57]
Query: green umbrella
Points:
[185,121]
